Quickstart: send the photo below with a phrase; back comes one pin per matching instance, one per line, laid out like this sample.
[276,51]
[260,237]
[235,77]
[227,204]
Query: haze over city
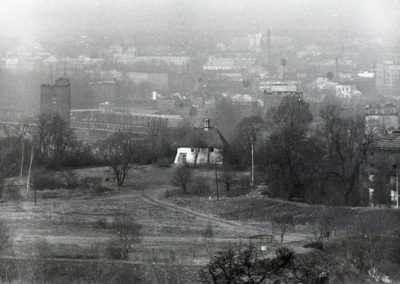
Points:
[199,141]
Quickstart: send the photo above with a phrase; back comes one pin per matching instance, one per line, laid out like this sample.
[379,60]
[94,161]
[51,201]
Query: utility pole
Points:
[35,187]
[252,164]
[397,185]
[397,190]
[216,181]
[252,136]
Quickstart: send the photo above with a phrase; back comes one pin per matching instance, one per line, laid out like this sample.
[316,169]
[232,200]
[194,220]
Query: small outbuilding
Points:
[204,146]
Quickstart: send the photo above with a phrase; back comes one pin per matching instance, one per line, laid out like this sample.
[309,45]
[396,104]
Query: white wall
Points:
[215,156]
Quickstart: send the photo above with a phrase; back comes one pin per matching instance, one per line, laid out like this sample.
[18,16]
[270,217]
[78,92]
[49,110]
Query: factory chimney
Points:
[282,69]
[269,46]
[336,68]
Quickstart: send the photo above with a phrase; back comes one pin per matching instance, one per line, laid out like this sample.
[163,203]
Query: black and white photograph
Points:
[199,141]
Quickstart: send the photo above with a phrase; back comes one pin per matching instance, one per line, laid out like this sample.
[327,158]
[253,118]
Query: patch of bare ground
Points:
[76,226]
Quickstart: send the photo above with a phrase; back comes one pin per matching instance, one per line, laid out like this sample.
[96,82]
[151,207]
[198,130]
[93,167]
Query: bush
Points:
[91,182]
[113,251]
[102,223]
[182,177]
[244,182]
[200,187]
[46,181]
[71,180]
[237,190]
[12,193]
[167,194]
[315,245]
[4,236]
[163,163]
[100,190]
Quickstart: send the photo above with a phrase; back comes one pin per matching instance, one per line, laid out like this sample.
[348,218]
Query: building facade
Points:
[381,119]
[56,99]
[388,79]
[204,146]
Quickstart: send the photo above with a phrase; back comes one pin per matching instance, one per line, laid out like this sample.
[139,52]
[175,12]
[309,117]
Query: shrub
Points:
[71,180]
[12,193]
[167,194]
[46,181]
[200,187]
[100,190]
[182,177]
[315,245]
[4,236]
[113,251]
[163,163]
[102,223]
[236,190]
[208,231]
[127,233]
[244,182]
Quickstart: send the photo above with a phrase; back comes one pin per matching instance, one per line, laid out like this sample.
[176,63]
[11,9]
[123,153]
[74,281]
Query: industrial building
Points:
[56,99]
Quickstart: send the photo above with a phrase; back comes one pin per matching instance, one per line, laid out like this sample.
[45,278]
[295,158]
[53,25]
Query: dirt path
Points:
[151,195]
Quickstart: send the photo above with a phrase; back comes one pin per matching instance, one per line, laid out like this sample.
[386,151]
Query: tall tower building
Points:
[56,99]
[282,69]
[269,46]
[388,79]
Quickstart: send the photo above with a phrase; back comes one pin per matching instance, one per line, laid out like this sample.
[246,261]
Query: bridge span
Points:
[99,124]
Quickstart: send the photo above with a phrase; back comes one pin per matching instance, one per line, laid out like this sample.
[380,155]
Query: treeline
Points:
[301,158]
[296,156]
[53,145]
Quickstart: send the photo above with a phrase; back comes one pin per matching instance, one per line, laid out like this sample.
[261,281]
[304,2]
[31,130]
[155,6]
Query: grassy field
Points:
[71,225]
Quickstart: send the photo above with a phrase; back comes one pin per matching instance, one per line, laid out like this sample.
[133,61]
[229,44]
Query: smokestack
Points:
[282,70]
[269,46]
[336,68]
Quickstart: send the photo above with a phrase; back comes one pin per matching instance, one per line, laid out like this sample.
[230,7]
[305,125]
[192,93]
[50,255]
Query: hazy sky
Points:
[29,18]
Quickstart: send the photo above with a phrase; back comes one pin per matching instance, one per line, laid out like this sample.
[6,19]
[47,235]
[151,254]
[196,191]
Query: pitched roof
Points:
[204,137]
[388,143]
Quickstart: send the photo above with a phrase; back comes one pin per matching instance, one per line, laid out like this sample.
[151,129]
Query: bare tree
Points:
[182,177]
[208,234]
[128,233]
[322,224]
[52,137]
[311,268]
[227,176]
[287,148]
[244,266]
[284,223]
[21,135]
[28,180]
[120,152]
[347,146]
[4,236]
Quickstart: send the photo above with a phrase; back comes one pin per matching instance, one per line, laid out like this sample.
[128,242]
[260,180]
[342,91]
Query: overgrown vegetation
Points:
[127,233]
[240,266]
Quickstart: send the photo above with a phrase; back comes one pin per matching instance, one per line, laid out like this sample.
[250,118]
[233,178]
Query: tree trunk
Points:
[22,158]
[29,171]
[196,155]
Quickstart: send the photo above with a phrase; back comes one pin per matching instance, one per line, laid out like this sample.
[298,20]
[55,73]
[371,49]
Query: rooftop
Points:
[204,137]
[388,143]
